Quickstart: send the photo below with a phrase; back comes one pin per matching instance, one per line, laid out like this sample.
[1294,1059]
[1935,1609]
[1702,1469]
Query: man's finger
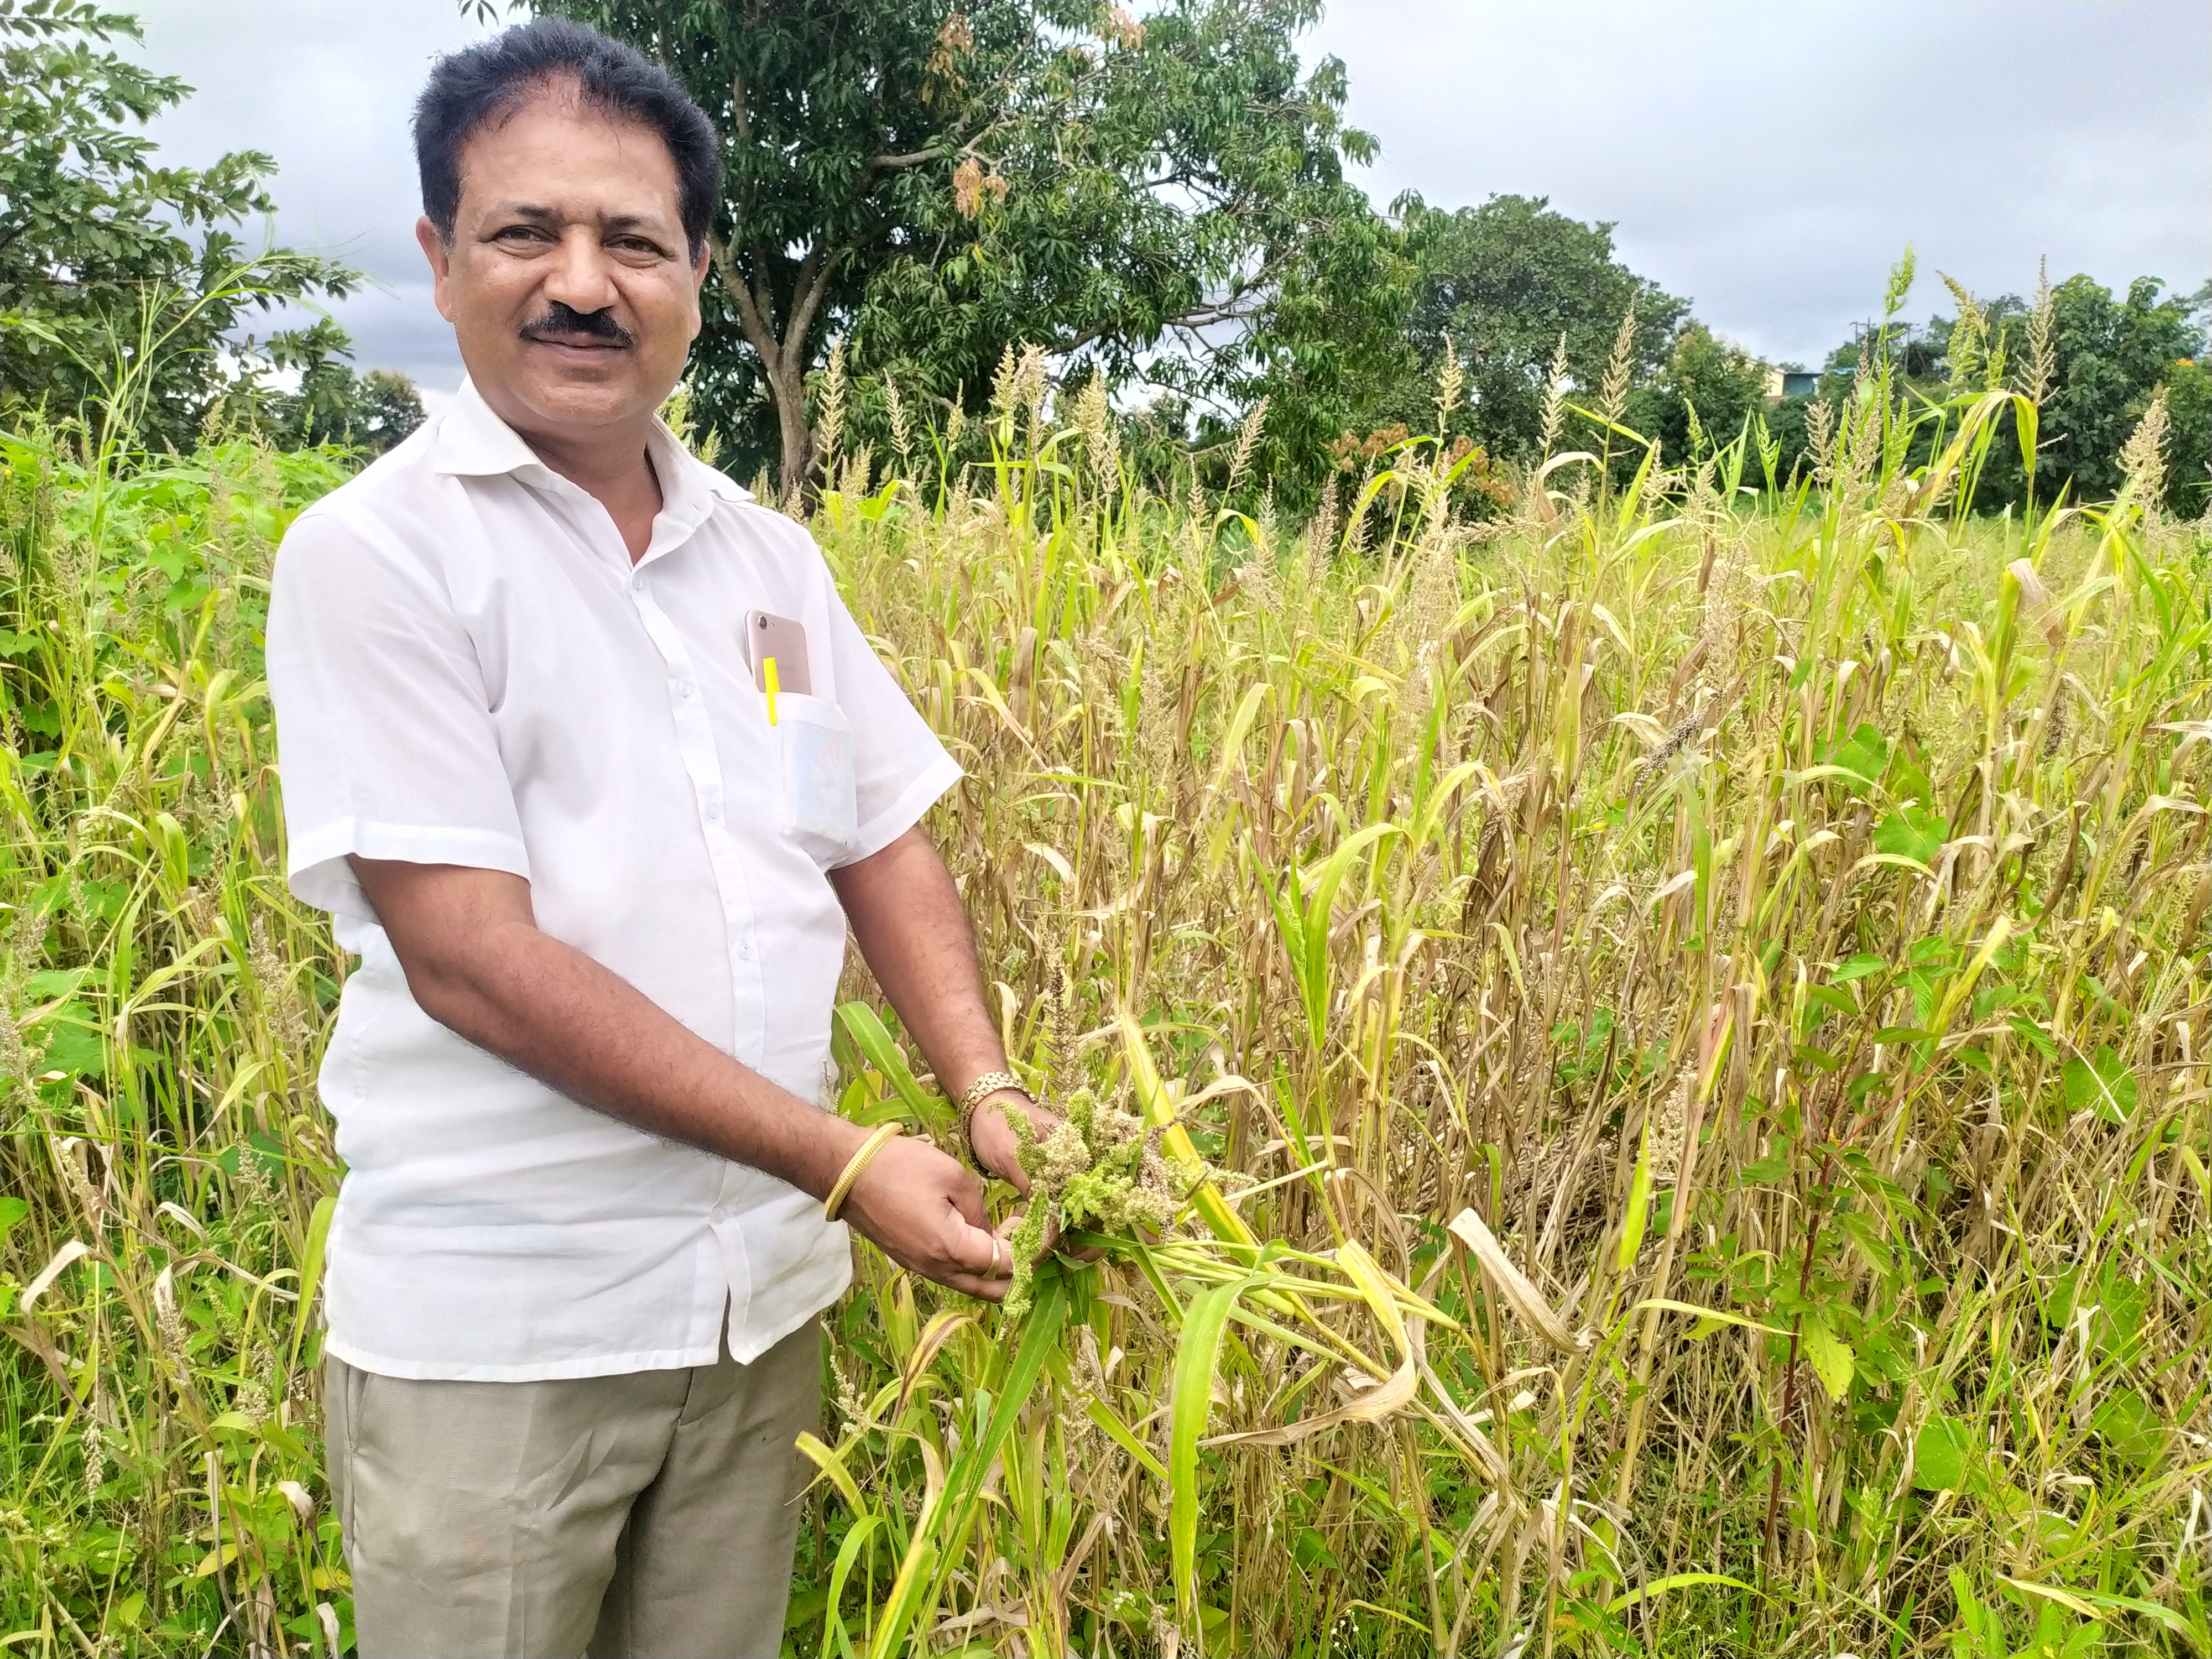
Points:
[966,1197]
[984,1252]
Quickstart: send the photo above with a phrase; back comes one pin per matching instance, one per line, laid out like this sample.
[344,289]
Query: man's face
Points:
[568,283]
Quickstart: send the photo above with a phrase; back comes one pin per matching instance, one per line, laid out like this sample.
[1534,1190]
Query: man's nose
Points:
[582,276]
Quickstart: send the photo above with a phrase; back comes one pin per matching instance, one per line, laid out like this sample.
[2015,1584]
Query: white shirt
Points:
[466,669]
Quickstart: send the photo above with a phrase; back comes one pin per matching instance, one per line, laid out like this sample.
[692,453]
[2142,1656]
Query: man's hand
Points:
[992,1137]
[926,1213]
[906,915]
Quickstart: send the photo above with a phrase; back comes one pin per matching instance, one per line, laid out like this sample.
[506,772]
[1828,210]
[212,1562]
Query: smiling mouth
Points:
[578,342]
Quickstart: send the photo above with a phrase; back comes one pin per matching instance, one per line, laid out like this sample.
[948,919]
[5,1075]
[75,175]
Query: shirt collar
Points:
[474,442]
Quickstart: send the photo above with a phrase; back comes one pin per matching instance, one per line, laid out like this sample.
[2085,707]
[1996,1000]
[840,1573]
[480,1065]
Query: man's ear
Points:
[698,283]
[441,262]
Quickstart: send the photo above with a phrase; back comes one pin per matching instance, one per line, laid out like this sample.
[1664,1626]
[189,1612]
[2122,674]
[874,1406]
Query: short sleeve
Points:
[899,768]
[384,730]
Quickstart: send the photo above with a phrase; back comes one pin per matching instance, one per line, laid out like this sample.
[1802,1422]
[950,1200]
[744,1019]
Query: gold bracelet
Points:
[980,1089]
[883,1137]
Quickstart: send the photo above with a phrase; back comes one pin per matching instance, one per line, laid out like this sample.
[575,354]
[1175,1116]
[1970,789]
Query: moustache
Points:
[562,319]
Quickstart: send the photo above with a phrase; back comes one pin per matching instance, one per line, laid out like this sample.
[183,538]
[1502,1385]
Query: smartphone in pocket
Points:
[770,637]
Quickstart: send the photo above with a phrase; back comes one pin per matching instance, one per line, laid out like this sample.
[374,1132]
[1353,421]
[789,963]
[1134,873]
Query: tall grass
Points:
[1690,1004]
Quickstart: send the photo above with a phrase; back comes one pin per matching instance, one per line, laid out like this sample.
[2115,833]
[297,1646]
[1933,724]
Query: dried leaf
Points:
[72,1251]
[1510,1283]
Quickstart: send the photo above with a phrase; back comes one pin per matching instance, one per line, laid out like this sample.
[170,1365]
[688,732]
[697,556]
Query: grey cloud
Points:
[1771,161]
[326,89]
[1768,159]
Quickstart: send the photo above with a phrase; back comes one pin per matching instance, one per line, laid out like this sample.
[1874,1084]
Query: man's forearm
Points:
[550,1010]
[477,963]
[914,931]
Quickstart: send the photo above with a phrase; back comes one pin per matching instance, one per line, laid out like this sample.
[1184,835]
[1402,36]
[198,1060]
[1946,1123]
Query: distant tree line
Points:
[2095,361]
[1159,202]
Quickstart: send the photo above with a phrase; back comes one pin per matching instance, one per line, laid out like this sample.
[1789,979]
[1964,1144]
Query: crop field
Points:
[1668,1012]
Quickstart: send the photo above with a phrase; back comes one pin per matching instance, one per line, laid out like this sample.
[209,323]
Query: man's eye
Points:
[522,233]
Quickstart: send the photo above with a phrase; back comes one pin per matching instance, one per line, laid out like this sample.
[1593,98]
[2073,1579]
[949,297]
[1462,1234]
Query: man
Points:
[597,870]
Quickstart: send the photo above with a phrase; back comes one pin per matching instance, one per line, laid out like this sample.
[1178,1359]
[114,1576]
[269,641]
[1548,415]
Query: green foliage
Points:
[1504,296]
[1503,283]
[1913,832]
[331,404]
[166,1370]
[1708,391]
[2111,353]
[2108,356]
[2188,386]
[1944,1455]
[99,246]
[1329,350]
[2104,1084]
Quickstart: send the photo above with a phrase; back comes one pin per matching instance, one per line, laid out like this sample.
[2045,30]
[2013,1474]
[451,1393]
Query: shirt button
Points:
[745,949]
[683,688]
[637,583]
[713,813]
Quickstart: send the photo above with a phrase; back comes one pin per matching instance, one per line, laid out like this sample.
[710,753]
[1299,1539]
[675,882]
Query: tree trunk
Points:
[783,362]
[787,390]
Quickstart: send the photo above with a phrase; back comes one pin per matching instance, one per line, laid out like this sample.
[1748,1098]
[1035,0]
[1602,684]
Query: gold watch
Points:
[981,1089]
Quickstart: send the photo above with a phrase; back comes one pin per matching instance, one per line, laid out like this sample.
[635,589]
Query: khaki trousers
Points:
[645,1514]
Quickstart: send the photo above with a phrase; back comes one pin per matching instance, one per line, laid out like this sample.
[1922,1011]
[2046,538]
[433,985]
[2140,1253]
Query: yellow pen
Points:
[768,678]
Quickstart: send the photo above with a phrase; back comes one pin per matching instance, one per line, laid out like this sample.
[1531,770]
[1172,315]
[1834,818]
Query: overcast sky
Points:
[1767,159]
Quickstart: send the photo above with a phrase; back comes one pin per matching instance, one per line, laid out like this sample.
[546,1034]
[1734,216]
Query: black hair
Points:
[478,87]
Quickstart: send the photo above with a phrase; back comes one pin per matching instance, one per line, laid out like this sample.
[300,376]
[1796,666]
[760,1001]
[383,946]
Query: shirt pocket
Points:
[814,750]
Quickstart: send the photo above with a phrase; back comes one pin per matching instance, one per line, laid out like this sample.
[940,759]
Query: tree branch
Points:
[764,292]
[741,125]
[912,159]
[758,335]
[807,293]
[1232,308]
[936,152]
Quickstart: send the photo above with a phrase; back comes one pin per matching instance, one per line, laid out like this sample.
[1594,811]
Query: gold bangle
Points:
[883,1137]
[980,1089]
